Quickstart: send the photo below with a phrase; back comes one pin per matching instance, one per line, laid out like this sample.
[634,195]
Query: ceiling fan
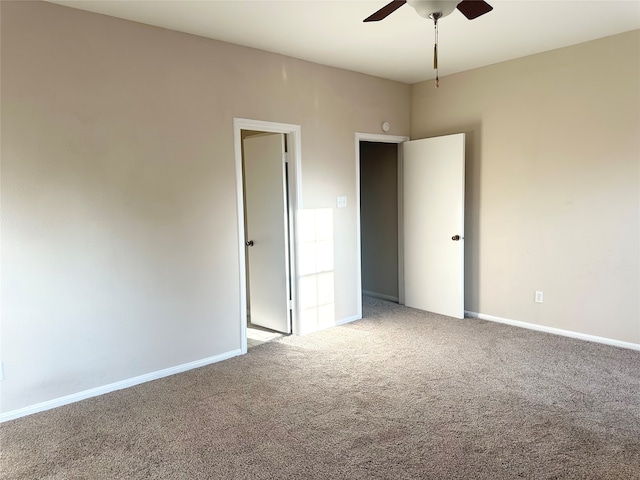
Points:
[429,8]
[435,10]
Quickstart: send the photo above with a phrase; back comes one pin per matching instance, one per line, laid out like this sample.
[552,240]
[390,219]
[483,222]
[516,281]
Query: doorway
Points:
[430,222]
[371,147]
[267,170]
[379,219]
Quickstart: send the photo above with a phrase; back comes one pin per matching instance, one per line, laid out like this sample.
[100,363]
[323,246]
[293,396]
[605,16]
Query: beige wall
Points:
[552,200]
[119,228]
[379,218]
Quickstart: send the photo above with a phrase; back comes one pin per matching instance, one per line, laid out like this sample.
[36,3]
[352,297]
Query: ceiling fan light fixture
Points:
[427,8]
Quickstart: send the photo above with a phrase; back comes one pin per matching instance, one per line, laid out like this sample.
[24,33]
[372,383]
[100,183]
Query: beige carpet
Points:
[401,394]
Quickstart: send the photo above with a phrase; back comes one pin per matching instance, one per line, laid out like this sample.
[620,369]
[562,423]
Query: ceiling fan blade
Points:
[385,11]
[474,8]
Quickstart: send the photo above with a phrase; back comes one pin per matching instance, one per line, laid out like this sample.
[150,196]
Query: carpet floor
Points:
[401,394]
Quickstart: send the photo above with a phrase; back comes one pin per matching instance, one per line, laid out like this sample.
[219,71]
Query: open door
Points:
[266,204]
[433,176]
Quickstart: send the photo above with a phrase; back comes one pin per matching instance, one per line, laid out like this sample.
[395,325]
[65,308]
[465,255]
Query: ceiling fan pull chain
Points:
[435,50]
[435,57]
[435,64]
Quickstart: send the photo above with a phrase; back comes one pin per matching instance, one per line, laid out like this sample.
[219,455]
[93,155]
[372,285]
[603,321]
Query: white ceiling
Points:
[399,47]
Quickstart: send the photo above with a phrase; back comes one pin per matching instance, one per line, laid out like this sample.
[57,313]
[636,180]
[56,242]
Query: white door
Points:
[434,224]
[267,231]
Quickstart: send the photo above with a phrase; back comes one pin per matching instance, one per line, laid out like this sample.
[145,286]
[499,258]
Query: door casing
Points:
[384,139]
[372,137]
[295,201]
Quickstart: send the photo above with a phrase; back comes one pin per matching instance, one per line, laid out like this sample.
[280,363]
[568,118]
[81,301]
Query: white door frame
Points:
[374,137]
[294,152]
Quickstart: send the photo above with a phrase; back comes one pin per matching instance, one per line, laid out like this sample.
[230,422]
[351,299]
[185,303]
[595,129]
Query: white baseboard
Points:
[380,295]
[334,324]
[348,320]
[555,331]
[94,392]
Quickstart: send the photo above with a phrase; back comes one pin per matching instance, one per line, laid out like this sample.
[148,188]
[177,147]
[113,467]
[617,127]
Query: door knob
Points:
[455,238]
[249,243]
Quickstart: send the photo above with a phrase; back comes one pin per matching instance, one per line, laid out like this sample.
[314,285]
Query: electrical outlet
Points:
[342,202]
[539,297]
[1,371]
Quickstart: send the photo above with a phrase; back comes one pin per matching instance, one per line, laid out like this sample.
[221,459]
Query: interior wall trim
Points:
[555,331]
[342,321]
[111,387]
[293,133]
[348,320]
[375,137]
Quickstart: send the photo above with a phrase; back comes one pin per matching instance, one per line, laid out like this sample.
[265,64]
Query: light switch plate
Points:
[342,202]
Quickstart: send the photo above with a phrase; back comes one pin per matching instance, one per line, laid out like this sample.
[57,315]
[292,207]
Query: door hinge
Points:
[290,304]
